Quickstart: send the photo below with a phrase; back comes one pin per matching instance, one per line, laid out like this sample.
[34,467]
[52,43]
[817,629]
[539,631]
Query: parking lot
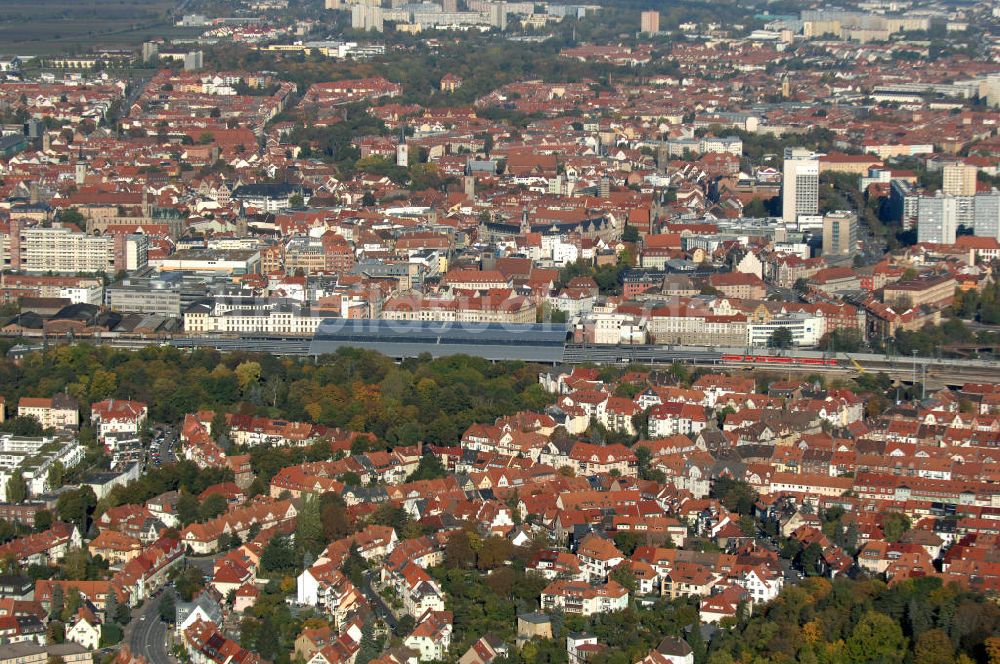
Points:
[163,446]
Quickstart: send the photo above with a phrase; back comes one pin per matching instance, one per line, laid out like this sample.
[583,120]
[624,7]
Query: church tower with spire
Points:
[402,150]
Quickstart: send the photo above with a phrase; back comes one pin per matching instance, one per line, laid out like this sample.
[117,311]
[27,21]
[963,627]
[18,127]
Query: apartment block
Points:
[800,184]
[61,411]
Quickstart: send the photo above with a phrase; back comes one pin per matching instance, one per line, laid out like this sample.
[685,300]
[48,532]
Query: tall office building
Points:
[937,219]
[840,234]
[989,90]
[987,215]
[449,6]
[958,179]
[367,17]
[800,184]
[64,250]
[498,15]
[650,22]
[194,60]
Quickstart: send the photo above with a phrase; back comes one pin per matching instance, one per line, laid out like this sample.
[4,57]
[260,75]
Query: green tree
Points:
[933,647]
[895,525]
[76,507]
[697,643]
[494,552]
[309,535]
[755,208]
[213,506]
[736,495]
[57,474]
[333,517]
[458,552]
[219,425]
[188,583]
[72,216]
[627,542]
[876,639]
[248,374]
[188,507]
[780,338]
[249,632]
[110,608]
[43,520]
[349,479]
[624,576]
[643,457]
[429,468]
[56,631]
[810,558]
[168,607]
[405,625]
[369,647]
[17,489]
[57,603]
[22,425]
[74,600]
[278,555]
[111,634]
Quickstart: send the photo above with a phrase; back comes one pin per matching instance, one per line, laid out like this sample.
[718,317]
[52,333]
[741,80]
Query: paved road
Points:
[161,450]
[148,635]
[375,600]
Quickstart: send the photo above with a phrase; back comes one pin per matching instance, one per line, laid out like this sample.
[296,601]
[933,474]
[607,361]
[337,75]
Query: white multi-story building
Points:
[117,417]
[840,234]
[615,328]
[281,318]
[958,179]
[583,598]
[60,411]
[93,294]
[806,330]
[800,184]
[937,219]
[761,584]
[65,250]
[62,250]
[987,215]
[33,457]
[431,638]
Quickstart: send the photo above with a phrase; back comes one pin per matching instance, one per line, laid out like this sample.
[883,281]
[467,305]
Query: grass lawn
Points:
[45,27]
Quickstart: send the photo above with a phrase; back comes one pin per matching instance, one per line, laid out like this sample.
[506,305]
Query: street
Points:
[161,447]
[378,605]
[146,635]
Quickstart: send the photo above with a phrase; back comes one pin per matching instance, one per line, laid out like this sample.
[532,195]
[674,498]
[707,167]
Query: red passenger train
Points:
[780,359]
